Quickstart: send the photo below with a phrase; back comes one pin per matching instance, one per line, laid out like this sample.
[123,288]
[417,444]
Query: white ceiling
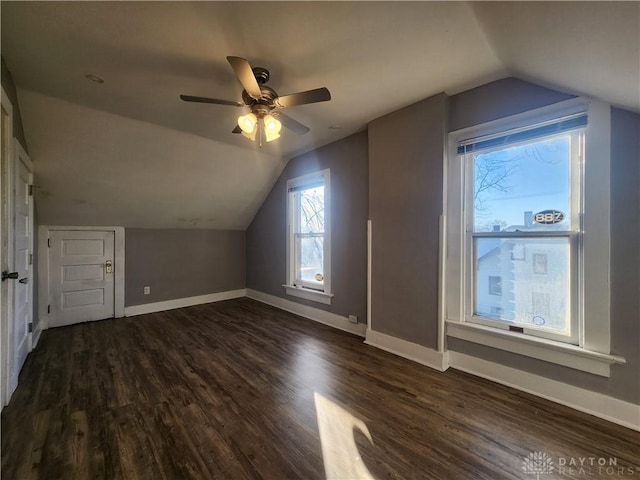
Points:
[129,152]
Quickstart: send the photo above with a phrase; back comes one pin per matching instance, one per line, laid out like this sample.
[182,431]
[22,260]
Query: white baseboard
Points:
[322,316]
[182,302]
[411,351]
[35,338]
[597,404]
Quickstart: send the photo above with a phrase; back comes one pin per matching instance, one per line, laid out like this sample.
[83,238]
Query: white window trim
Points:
[308,294]
[319,296]
[592,354]
[535,347]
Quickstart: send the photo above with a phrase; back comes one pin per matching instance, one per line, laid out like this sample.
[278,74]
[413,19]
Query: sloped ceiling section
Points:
[587,48]
[96,168]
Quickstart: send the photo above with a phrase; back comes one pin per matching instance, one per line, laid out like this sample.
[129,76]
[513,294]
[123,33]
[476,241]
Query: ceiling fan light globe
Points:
[270,136]
[272,125]
[250,135]
[247,123]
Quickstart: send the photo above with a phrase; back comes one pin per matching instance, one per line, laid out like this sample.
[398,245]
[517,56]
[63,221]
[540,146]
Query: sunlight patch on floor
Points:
[339,450]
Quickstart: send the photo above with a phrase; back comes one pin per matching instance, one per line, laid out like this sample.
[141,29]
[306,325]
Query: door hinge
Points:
[31,259]
[48,308]
[30,327]
[49,242]
[31,190]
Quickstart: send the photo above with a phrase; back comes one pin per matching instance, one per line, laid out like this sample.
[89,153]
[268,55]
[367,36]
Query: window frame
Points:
[295,285]
[592,352]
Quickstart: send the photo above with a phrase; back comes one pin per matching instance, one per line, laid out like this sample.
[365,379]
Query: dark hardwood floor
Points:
[229,391]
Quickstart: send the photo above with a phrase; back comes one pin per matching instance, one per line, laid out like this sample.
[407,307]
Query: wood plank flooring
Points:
[228,391]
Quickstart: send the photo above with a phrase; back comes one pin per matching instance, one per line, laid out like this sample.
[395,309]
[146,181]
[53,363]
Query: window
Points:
[495,285]
[308,245]
[524,195]
[541,308]
[540,263]
[527,214]
[518,252]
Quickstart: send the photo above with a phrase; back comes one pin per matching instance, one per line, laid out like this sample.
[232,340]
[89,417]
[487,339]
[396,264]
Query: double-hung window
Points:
[523,203]
[527,235]
[309,239]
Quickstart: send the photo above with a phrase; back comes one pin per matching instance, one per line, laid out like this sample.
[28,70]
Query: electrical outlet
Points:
[353,319]
[147,290]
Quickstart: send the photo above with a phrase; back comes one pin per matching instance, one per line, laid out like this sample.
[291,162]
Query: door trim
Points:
[43,268]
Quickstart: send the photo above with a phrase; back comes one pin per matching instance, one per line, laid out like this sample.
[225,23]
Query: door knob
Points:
[109,266]
[24,280]
[12,275]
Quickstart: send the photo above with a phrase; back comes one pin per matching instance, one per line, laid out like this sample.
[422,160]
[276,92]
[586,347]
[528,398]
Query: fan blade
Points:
[190,98]
[236,130]
[302,98]
[243,71]
[293,125]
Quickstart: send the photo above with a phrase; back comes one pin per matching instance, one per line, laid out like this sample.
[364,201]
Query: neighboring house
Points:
[536,298]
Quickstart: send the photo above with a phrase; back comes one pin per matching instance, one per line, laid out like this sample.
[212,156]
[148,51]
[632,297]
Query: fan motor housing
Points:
[260,109]
[268,97]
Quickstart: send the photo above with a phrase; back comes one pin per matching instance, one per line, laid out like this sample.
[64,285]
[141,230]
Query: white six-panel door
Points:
[81,276]
[22,262]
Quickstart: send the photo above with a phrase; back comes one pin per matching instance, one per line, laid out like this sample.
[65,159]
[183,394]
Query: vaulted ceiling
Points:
[130,152]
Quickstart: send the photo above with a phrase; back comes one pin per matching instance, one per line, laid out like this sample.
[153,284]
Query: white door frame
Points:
[43,268]
[6,333]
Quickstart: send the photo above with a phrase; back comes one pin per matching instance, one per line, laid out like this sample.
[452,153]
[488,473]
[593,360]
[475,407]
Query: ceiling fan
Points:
[262,100]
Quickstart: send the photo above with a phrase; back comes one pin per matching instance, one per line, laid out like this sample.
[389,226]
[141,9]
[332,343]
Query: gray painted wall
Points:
[182,263]
[266,236]
[625,251]
[493,101]
[406,149]
[498,99]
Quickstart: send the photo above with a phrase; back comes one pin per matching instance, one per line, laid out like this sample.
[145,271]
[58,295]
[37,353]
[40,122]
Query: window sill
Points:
[559,353]
[308,294]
